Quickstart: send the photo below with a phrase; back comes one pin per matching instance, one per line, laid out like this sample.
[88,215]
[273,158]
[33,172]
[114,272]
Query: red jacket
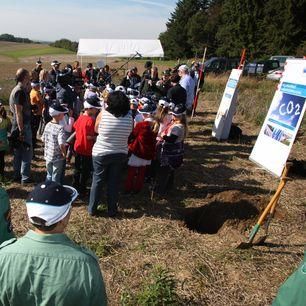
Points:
[84,126]
[143,141]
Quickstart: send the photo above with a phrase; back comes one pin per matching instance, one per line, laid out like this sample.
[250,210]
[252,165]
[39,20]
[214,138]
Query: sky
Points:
[51,20]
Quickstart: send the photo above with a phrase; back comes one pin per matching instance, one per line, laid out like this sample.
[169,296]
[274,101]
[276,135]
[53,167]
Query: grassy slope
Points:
[16,54]
[18,50]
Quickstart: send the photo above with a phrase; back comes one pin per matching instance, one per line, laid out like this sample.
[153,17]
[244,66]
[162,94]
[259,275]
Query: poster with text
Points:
[283,120]
[227,108]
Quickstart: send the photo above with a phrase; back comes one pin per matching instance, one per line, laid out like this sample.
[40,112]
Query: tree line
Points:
[225,27]
[12,38]
[65,44]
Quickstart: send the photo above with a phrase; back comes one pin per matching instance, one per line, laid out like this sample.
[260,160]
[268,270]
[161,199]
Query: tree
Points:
[239,27]
[66,44]
[175,38]
[12,38]
[283,26]
[263,27]
[202,29]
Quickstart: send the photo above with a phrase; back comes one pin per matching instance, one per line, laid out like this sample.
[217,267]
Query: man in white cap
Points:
[45,267]
[188,83]
[54,72]
[36,71]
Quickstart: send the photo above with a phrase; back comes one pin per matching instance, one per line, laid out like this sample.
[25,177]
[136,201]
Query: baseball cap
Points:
[178,110]
[50,201]
[148,108]
[120,88]
[56,108]
[144,100]
[163,102]
[55,62]
[92,102]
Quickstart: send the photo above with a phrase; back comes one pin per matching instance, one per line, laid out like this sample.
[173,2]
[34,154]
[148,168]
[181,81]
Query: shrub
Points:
[158,289]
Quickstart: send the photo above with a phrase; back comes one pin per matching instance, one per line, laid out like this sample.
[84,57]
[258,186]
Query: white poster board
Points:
[227,108]
[283,120]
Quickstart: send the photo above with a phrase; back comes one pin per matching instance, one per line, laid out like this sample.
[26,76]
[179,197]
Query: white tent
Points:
[120,47]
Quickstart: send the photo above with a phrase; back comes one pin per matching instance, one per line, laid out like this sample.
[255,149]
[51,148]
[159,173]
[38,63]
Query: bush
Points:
[158,289]
[66,44]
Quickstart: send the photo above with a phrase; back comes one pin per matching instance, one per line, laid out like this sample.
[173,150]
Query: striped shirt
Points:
[113,134]
[53,137]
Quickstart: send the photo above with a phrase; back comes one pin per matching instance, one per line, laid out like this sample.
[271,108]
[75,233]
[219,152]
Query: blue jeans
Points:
[106,169]
[56,171]
[23,156]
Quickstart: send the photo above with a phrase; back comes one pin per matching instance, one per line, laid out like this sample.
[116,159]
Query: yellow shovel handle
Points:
[273,202]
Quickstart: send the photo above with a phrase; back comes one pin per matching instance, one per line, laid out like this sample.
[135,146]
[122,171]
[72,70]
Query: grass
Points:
[158,289]
[16,54]
[16,51]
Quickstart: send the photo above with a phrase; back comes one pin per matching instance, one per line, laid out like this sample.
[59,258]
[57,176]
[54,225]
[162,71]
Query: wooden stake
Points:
[195,102]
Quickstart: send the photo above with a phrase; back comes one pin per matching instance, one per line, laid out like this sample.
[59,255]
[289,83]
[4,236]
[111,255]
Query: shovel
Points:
[260,240]
[268,210]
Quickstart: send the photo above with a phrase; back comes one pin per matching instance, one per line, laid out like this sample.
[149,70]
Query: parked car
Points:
[220,64]
[281,58]
[276,74]
[258,68]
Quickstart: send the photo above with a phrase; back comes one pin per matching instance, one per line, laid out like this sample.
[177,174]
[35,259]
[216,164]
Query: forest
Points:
[263,27]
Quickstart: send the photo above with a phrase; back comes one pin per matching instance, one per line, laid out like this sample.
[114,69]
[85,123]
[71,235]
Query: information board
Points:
[227,108]
[283,120]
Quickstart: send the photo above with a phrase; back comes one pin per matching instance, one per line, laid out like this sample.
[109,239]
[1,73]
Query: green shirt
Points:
[293,290]
[5,217]
[40,270]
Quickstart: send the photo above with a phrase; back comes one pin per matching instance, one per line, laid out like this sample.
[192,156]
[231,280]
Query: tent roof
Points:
[120,47]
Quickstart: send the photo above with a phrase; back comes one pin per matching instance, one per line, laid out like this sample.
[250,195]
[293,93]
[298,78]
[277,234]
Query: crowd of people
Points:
[141,124]
[78,113]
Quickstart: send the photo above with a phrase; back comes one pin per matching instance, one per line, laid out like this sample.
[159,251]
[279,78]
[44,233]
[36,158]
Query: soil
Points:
[227,209]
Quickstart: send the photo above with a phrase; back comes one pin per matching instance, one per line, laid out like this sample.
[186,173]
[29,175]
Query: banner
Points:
[227,108]
[283,120]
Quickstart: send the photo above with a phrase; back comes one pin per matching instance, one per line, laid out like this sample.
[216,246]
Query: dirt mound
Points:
[226,209]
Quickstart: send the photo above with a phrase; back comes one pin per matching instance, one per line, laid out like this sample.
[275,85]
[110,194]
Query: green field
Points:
[16,54]
[18,50]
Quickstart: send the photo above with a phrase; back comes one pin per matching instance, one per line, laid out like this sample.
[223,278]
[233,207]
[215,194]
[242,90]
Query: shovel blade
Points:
[261,240]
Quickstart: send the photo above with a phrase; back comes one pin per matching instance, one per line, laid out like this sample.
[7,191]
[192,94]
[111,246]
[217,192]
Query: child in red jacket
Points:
[142,144]
[84,140]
